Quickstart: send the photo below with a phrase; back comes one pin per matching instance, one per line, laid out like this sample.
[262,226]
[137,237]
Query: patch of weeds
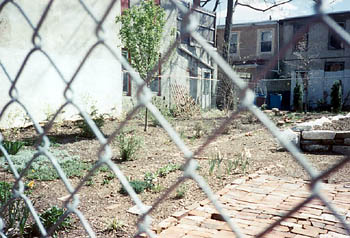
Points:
[237,165]
[12,147]
[198,130]
[150,179]
[164,171]
[115,225]
[42,169]
[157,188]
[108,178]
[128,146]
[90,181]
[181,191]
[138,186]
[16,213]
[51,217]
[86,131]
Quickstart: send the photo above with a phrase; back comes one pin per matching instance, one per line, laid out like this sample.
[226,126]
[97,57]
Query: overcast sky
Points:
[292,9]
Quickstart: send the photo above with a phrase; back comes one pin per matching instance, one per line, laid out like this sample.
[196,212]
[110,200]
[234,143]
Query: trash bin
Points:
[275,100]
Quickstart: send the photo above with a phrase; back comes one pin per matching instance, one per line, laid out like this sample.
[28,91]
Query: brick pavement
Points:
[255,202]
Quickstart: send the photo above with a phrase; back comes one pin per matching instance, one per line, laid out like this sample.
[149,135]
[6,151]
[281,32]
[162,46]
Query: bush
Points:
[336,96]
[128,146]
[15,215]
[298,98]
[42,169]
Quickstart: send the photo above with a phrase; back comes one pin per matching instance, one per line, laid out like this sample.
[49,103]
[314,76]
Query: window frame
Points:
[260,41]
[125,73]
[334,37]
[159,78]
[237,43]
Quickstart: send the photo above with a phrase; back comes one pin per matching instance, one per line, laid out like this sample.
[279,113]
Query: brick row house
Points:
[316,61]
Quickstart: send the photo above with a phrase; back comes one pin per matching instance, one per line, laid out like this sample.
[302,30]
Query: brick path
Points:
[254,203]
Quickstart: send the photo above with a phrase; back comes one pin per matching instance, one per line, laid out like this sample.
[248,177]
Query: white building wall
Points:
[67,34]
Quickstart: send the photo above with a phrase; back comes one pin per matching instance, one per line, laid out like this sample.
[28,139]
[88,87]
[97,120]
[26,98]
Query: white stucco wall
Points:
[67,34]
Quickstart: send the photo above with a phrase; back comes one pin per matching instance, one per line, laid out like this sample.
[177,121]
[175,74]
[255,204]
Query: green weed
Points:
[51,217]
[16,213]
[164,171]
[181,191]
[128,146]
[138,186]
[12,147]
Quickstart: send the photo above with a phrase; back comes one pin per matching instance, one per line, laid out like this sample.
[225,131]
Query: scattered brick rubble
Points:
[257,201]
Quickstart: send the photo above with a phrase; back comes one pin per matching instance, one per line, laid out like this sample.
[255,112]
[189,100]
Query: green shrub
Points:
[42,169]
[12,147]
[298,98]
[128,146]
[138,186]
[16,213]
[51,216]
[336,96]
[85,128]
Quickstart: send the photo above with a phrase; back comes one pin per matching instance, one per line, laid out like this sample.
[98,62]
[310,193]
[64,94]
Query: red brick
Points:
[199,213]
[173,232]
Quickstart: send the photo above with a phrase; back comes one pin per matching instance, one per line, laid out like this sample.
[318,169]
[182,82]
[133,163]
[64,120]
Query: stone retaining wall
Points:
[307,139]
[325,141]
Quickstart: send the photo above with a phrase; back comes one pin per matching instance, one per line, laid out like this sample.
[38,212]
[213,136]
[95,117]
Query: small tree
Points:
[141,34]
[336,96]
[298,98]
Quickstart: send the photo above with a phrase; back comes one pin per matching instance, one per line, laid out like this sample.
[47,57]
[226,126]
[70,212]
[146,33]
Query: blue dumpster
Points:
[275,100]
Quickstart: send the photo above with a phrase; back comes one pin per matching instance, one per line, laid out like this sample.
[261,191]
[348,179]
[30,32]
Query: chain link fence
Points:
[144,97]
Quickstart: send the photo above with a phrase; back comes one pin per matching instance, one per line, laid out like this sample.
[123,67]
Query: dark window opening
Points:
[303,43]
[334,42]
[334,66]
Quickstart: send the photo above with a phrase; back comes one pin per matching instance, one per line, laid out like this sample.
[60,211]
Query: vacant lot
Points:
[244,147]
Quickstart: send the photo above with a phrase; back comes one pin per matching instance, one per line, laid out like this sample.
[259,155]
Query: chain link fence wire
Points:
[144,96]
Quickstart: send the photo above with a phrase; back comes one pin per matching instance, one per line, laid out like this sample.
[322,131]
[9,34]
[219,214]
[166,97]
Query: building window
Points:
[302,44]
[126,75]
[334,43]
[334,66]
[266,41]
[234,43]
[155,84]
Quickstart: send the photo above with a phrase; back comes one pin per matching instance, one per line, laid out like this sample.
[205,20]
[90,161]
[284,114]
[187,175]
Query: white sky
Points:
[292,9]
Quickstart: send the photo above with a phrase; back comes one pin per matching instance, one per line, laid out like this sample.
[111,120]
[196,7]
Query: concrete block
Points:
[342,134]
[318,135]
[341,149]
[291,136]
[316,148]
[321,121]
[309,142]
[302,127]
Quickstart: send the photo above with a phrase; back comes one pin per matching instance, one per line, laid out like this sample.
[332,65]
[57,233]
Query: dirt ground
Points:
[102,204]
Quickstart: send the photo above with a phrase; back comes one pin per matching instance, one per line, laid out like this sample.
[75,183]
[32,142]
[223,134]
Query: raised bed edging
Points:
[307,139]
